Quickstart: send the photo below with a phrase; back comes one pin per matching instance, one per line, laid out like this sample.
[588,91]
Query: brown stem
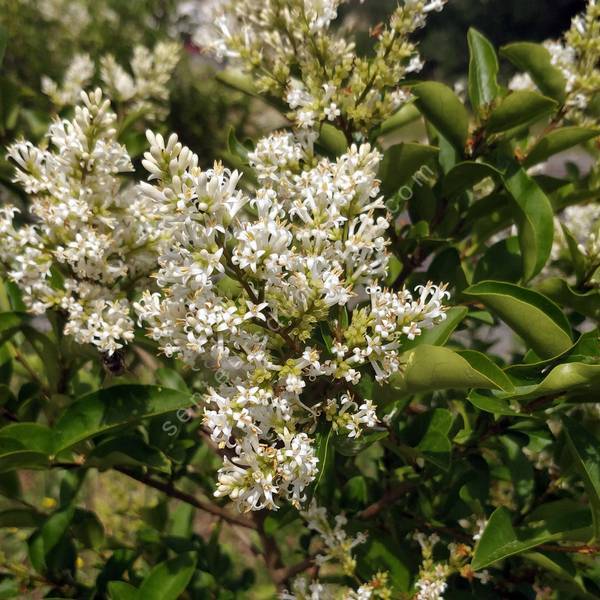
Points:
[173,492]
[270,550]
[585,549]
[285,574]
[389,498]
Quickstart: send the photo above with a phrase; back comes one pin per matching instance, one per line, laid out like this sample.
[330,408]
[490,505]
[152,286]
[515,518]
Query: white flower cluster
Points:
[144,91]
[431,583]
[582,221]
[337,548]
[260,286]
[577,56]
[296,53]
[77,77]
[92,239]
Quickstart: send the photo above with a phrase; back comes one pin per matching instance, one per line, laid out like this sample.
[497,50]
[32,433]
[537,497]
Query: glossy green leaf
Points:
[465,175]
[561,566]
[501,540]
[567,377]
[434,445]
[238,81]
[10,323]
[128,450]
[404,163]
[530,314]
[382,552]
[585,450]
[20,517]
[442,107]
[44,541]
[500,262]
[25,446]
[171,379]
[121,590]
[3,42]
[537,61]
[492,404]
[557,289]
[483,70]
[168,580]
[519,108]
[438,368]
[556,141]
[332,140]
[48,353]
[87,528]
[535,220]
[405,115]
[111,407]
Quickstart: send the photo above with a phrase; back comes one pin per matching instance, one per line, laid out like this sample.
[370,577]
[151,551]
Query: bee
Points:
[114,363]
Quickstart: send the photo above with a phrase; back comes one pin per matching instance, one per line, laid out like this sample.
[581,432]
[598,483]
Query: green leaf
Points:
[519,108]
[405,115]
[325,453]
[557,289]
[530,314]
[382,552]
[121,590]
[501,262]
[465,175]
[501,540]
[48,353]
[437,368]
[171,379]
[87,528]
[561,566]
[10,323]
[537,61]
[483,70]
[492,404]
[21,518]
[578,259]
[106,409]
[404,162]
[128,450]
[332,140]
[48,537]
[3,42]
[442,107]
[25,446]
[238,81]
[433,429]
[168,580]
[567,377]
[556,141]
[585,450]
[520,469]
[535,220]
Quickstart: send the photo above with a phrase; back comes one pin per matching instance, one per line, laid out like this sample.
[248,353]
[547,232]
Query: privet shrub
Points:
[348,363]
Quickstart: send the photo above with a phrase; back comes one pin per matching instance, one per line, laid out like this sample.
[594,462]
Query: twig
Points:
[187,498]
[389,498]
[585,549]
[285,574]
[270,550]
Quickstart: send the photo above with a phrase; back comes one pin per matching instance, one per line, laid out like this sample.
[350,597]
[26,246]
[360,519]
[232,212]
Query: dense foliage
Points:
[357,357]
